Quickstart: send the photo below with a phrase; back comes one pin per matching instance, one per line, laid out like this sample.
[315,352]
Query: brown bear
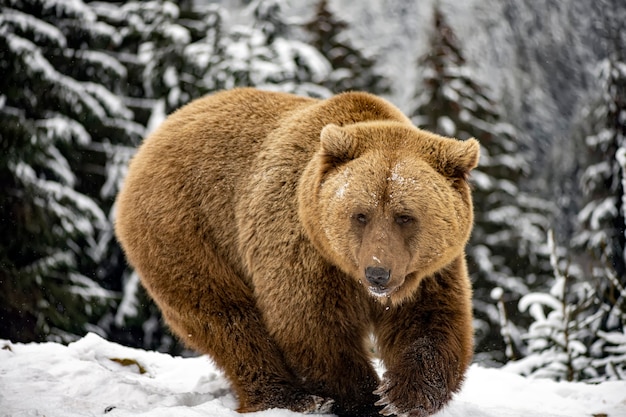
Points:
[281,235]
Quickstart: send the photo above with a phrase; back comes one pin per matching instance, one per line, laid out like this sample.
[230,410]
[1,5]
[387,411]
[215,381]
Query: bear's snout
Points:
[377,276]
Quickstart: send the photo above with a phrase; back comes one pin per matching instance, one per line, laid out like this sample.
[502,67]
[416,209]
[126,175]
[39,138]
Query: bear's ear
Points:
[337,145]
[458,157]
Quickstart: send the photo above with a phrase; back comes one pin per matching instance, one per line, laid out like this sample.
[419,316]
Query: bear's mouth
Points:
[380,291]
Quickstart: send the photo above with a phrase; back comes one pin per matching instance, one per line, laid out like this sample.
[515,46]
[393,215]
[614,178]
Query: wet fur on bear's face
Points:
[397,205]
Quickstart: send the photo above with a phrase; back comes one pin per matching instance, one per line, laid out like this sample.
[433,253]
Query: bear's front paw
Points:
[421,386]
[409,401]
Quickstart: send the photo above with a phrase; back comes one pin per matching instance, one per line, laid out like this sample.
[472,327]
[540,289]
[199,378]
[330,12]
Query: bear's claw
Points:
[320,405]
[390,409]
[381,391]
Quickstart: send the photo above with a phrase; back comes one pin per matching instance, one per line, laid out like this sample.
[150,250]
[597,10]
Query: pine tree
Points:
[51,118]
[609,345]
[613,365]
[165,51]
[568,338]
[262,55]
[602,221]
[597,332]
[566,321]
[83,81]
[601,236]
[507,248]
[351,70]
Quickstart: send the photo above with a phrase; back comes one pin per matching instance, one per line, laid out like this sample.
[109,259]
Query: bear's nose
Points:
[377,276]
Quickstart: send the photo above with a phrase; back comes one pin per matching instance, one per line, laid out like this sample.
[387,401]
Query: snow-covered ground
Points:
[94,377]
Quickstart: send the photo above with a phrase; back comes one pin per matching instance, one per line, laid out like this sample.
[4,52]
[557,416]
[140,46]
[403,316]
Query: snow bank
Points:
[94,377]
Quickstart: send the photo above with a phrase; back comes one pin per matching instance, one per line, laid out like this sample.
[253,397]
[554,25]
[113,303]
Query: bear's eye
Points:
[404,220]
[360,218]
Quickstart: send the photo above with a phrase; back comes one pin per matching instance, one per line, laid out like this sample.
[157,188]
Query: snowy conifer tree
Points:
[566,320]
[608,349]
[157,44]
[568,339]
[583,337]
[602,218]
[53,116]
[507,248]
[351,69]
[601,235]
[82,81]
[261,55]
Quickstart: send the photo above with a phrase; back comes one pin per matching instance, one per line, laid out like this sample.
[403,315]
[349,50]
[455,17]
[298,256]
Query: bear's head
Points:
[388,203]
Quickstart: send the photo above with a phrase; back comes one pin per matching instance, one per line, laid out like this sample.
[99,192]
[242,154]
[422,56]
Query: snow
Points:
[446,126]
[65,129]
[91,214]
[44,32]
[157,116]
[481,180]
[72,8]
[39,67]
[111,103]
[87,288]
[290,51]
[599,212]
[56,162]
[56,260]
[177,34]
[101,59]
[128,305]
[496,293]
[93,376]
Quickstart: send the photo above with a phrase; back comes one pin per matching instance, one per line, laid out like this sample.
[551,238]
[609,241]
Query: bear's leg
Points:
[426,346]
[322,329]
[213,311]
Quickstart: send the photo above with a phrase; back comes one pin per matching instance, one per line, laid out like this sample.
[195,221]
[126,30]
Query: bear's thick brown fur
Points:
[276,233]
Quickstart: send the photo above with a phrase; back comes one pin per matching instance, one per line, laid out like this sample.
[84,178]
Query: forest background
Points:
[541,84]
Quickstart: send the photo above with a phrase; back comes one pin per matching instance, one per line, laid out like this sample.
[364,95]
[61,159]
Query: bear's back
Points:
[184,178]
